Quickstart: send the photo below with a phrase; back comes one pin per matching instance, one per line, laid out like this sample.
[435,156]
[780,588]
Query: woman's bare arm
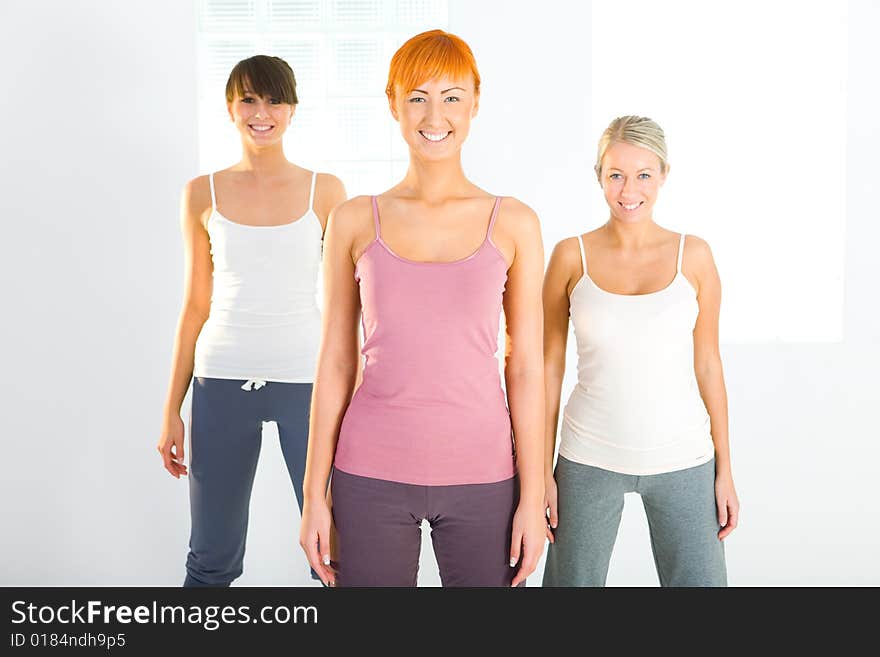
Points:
[710,376]
[329,192]
[334,379]
[523,373]
[194,208]
[564,269]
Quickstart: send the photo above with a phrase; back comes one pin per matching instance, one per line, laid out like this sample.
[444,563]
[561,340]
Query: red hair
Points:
[429,56]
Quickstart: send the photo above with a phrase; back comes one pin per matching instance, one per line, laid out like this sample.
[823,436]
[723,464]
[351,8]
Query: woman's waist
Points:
[413,390]
[257,315]
[404,398]
[636,423]
[271,339]
[416,438]
[672,390]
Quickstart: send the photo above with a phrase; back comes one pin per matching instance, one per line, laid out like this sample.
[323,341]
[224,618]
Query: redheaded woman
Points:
[428,266]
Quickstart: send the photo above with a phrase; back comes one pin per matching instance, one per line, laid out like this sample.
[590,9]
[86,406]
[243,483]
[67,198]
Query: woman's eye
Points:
[247,99]
[416,99]
[644,176]
[275,101]
[615,176]
[451,99]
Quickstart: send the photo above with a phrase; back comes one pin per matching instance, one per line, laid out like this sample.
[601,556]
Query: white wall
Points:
[99,135]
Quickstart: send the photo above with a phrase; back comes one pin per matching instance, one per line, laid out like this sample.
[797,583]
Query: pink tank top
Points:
[430,410]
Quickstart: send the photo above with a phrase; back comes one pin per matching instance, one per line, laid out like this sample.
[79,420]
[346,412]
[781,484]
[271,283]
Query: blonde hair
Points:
[636,131]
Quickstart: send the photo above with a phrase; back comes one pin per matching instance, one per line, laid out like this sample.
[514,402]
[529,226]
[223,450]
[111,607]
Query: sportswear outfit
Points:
[635,422]
[427,435]
[255,361]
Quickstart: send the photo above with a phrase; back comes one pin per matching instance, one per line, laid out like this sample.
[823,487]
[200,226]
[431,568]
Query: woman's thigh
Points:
[471,527]
[590,504]
[378,530]
[683,522]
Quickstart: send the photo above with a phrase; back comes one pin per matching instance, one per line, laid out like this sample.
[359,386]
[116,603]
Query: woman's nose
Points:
[435,114]
[261,109]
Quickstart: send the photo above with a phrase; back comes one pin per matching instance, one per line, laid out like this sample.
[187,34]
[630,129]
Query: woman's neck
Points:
[263,162]
[631,236]
[435,182]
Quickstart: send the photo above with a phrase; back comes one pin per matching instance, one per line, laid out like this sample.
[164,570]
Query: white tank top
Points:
[636,408]
[264,323]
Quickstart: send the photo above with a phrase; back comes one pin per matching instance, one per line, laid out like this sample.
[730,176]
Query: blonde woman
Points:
[649,411]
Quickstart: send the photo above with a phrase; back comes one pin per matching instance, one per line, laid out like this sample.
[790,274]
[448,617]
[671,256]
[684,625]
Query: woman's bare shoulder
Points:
[352,217]
[697,253]
[196,202]
[518,213]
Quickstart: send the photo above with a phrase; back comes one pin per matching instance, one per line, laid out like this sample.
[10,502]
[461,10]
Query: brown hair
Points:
[265,76]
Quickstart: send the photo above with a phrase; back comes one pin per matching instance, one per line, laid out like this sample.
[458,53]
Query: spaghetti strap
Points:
[213,195]
[580,240]
[376,218]
[312,190]
[492,220]
[680,252]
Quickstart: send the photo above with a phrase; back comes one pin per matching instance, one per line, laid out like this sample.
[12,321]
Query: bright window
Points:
[339,51]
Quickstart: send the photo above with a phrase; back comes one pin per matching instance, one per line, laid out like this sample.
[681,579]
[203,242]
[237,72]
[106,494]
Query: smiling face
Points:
[435,117]
[261,120]
[631,177]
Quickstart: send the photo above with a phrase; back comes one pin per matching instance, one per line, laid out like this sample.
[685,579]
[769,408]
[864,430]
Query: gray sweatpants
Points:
[682,520]
[226,434]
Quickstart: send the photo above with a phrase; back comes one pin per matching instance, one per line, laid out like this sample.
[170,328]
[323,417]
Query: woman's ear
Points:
[476,106]
[393,109]
[229,111]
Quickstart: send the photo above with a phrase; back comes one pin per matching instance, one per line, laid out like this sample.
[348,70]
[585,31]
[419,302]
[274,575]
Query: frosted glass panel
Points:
[417,12]
[219,56]
[339,51]
[356,12]
[294,15]
[359,66]
[228,15]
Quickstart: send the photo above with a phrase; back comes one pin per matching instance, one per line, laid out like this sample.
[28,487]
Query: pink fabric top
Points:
[430,410]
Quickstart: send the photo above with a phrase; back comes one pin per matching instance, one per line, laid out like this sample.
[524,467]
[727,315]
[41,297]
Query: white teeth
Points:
[434,136]
[262,128]
[631,207]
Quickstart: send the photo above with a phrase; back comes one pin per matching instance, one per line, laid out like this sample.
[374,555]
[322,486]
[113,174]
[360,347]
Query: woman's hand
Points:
[314,538]
[727,503]
[529,532]
[170,445]
[551,512]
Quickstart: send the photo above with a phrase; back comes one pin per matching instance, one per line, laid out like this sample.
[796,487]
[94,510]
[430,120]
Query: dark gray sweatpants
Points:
[226,433]
[378,531]
[682,520]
